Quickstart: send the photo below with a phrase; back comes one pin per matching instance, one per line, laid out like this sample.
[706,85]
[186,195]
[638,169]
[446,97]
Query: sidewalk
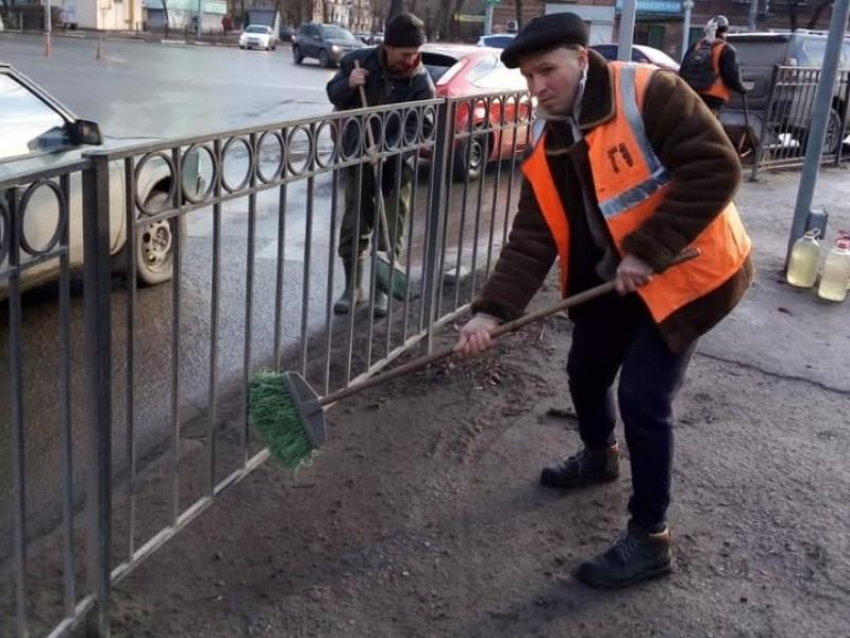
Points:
[175,38]
[423,517]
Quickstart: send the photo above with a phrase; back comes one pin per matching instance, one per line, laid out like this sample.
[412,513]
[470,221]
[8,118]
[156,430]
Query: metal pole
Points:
[754,12]
[820,116]
[627,31]
[488,19]
[97,389]
[200,18]
[687,5]
[48,27]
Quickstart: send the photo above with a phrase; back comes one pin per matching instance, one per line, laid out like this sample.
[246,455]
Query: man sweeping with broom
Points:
[389,74]
[629,170]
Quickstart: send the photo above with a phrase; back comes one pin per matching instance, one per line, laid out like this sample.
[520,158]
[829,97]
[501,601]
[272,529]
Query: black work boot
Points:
[343,304]
[639,555]
[382,304]
[588,467]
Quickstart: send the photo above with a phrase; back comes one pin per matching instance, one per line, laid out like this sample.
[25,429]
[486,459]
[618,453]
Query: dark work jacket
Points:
[381,88]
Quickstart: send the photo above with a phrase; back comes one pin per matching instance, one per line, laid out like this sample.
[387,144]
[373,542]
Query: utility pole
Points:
[627,31]
[687,5]
[754,12]
[48,27]
[817,131]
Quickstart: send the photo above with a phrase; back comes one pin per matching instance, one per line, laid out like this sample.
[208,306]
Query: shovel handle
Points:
[511,326]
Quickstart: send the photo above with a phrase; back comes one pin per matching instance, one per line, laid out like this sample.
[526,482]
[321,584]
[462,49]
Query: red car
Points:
[462,71]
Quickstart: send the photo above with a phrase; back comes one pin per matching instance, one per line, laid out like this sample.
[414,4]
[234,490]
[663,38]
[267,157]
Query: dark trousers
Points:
[353,241]
[617,334]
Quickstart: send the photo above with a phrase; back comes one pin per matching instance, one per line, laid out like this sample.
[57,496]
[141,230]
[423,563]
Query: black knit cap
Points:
[544,33]
[404,30]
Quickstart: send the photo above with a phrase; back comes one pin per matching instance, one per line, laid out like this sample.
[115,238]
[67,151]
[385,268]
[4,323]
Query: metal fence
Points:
[124,404]
[781,127]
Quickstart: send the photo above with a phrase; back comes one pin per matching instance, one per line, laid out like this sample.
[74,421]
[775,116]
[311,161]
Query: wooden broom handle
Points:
[385,231]
[505,328]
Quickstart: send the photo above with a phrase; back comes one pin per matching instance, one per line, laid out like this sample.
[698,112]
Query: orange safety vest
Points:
[719,88]
[630,184]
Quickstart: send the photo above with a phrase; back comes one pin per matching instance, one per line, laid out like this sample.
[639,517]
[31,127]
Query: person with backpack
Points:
[711,67]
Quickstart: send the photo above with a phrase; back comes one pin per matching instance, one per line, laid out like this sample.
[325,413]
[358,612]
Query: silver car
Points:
[38,133]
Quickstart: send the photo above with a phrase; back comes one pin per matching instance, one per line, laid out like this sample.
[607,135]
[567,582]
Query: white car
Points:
[496,40]
[258,36]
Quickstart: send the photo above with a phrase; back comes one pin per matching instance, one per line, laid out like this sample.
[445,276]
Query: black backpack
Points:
[697,68]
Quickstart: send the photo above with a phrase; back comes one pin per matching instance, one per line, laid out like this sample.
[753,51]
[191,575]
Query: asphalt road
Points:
[148,90]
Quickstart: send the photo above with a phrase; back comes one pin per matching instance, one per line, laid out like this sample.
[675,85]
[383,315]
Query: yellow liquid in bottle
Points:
[803,265]
[836,272]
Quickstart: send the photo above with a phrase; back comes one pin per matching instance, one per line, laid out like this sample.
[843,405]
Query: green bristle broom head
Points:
[272,411]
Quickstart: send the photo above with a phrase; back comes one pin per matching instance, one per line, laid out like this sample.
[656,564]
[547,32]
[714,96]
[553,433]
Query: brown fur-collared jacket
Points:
[705,172]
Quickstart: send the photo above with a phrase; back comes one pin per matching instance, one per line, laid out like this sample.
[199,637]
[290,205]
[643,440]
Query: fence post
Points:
[844,78]
[435,220]
[759,151]
[97,389]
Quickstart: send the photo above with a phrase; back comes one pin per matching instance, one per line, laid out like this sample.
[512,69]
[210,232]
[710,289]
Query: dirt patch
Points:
[423,518]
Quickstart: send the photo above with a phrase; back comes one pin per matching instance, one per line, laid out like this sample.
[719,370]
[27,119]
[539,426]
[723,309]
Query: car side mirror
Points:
[86,132]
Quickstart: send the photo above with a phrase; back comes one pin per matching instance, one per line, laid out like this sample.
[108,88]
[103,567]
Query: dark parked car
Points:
[286,34]
[758,55]
[327,43]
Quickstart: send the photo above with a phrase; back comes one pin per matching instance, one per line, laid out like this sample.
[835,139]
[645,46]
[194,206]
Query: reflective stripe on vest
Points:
[630,183]
[719,88]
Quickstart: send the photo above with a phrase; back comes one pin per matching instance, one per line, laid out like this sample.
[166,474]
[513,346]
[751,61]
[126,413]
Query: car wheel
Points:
[324,58]
[296,55]
[832,139]
[154,249]
[469,159]
[274,47]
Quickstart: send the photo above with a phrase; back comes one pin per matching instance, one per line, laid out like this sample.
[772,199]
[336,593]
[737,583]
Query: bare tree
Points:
[793,13]
[817,12]
[396,7]
[519,8]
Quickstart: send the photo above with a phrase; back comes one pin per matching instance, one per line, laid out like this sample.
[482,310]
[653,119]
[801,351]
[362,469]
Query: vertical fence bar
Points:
[329,301]
[411,217]
[215,311]
[308,253]
[844,80]
[281,256]
[463,209]
[65,416]
[497,141]
[176,296]
[355,249]
[378,172]
[98,389]
[449,172]
[509,196]
[245,432]
[435,218]
[478,207]
[130,223]
[766,126]
[391,249]
[16,395]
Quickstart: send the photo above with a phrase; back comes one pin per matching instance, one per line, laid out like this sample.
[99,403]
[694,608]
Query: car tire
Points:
[469,162]
[296,55]
[324,58]
[832,140]
[154,249]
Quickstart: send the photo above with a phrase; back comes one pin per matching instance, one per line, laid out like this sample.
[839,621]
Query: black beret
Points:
[544,33]
[404,30]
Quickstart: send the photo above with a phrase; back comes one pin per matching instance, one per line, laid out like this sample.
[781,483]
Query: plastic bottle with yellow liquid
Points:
[802,269]
[836,272]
